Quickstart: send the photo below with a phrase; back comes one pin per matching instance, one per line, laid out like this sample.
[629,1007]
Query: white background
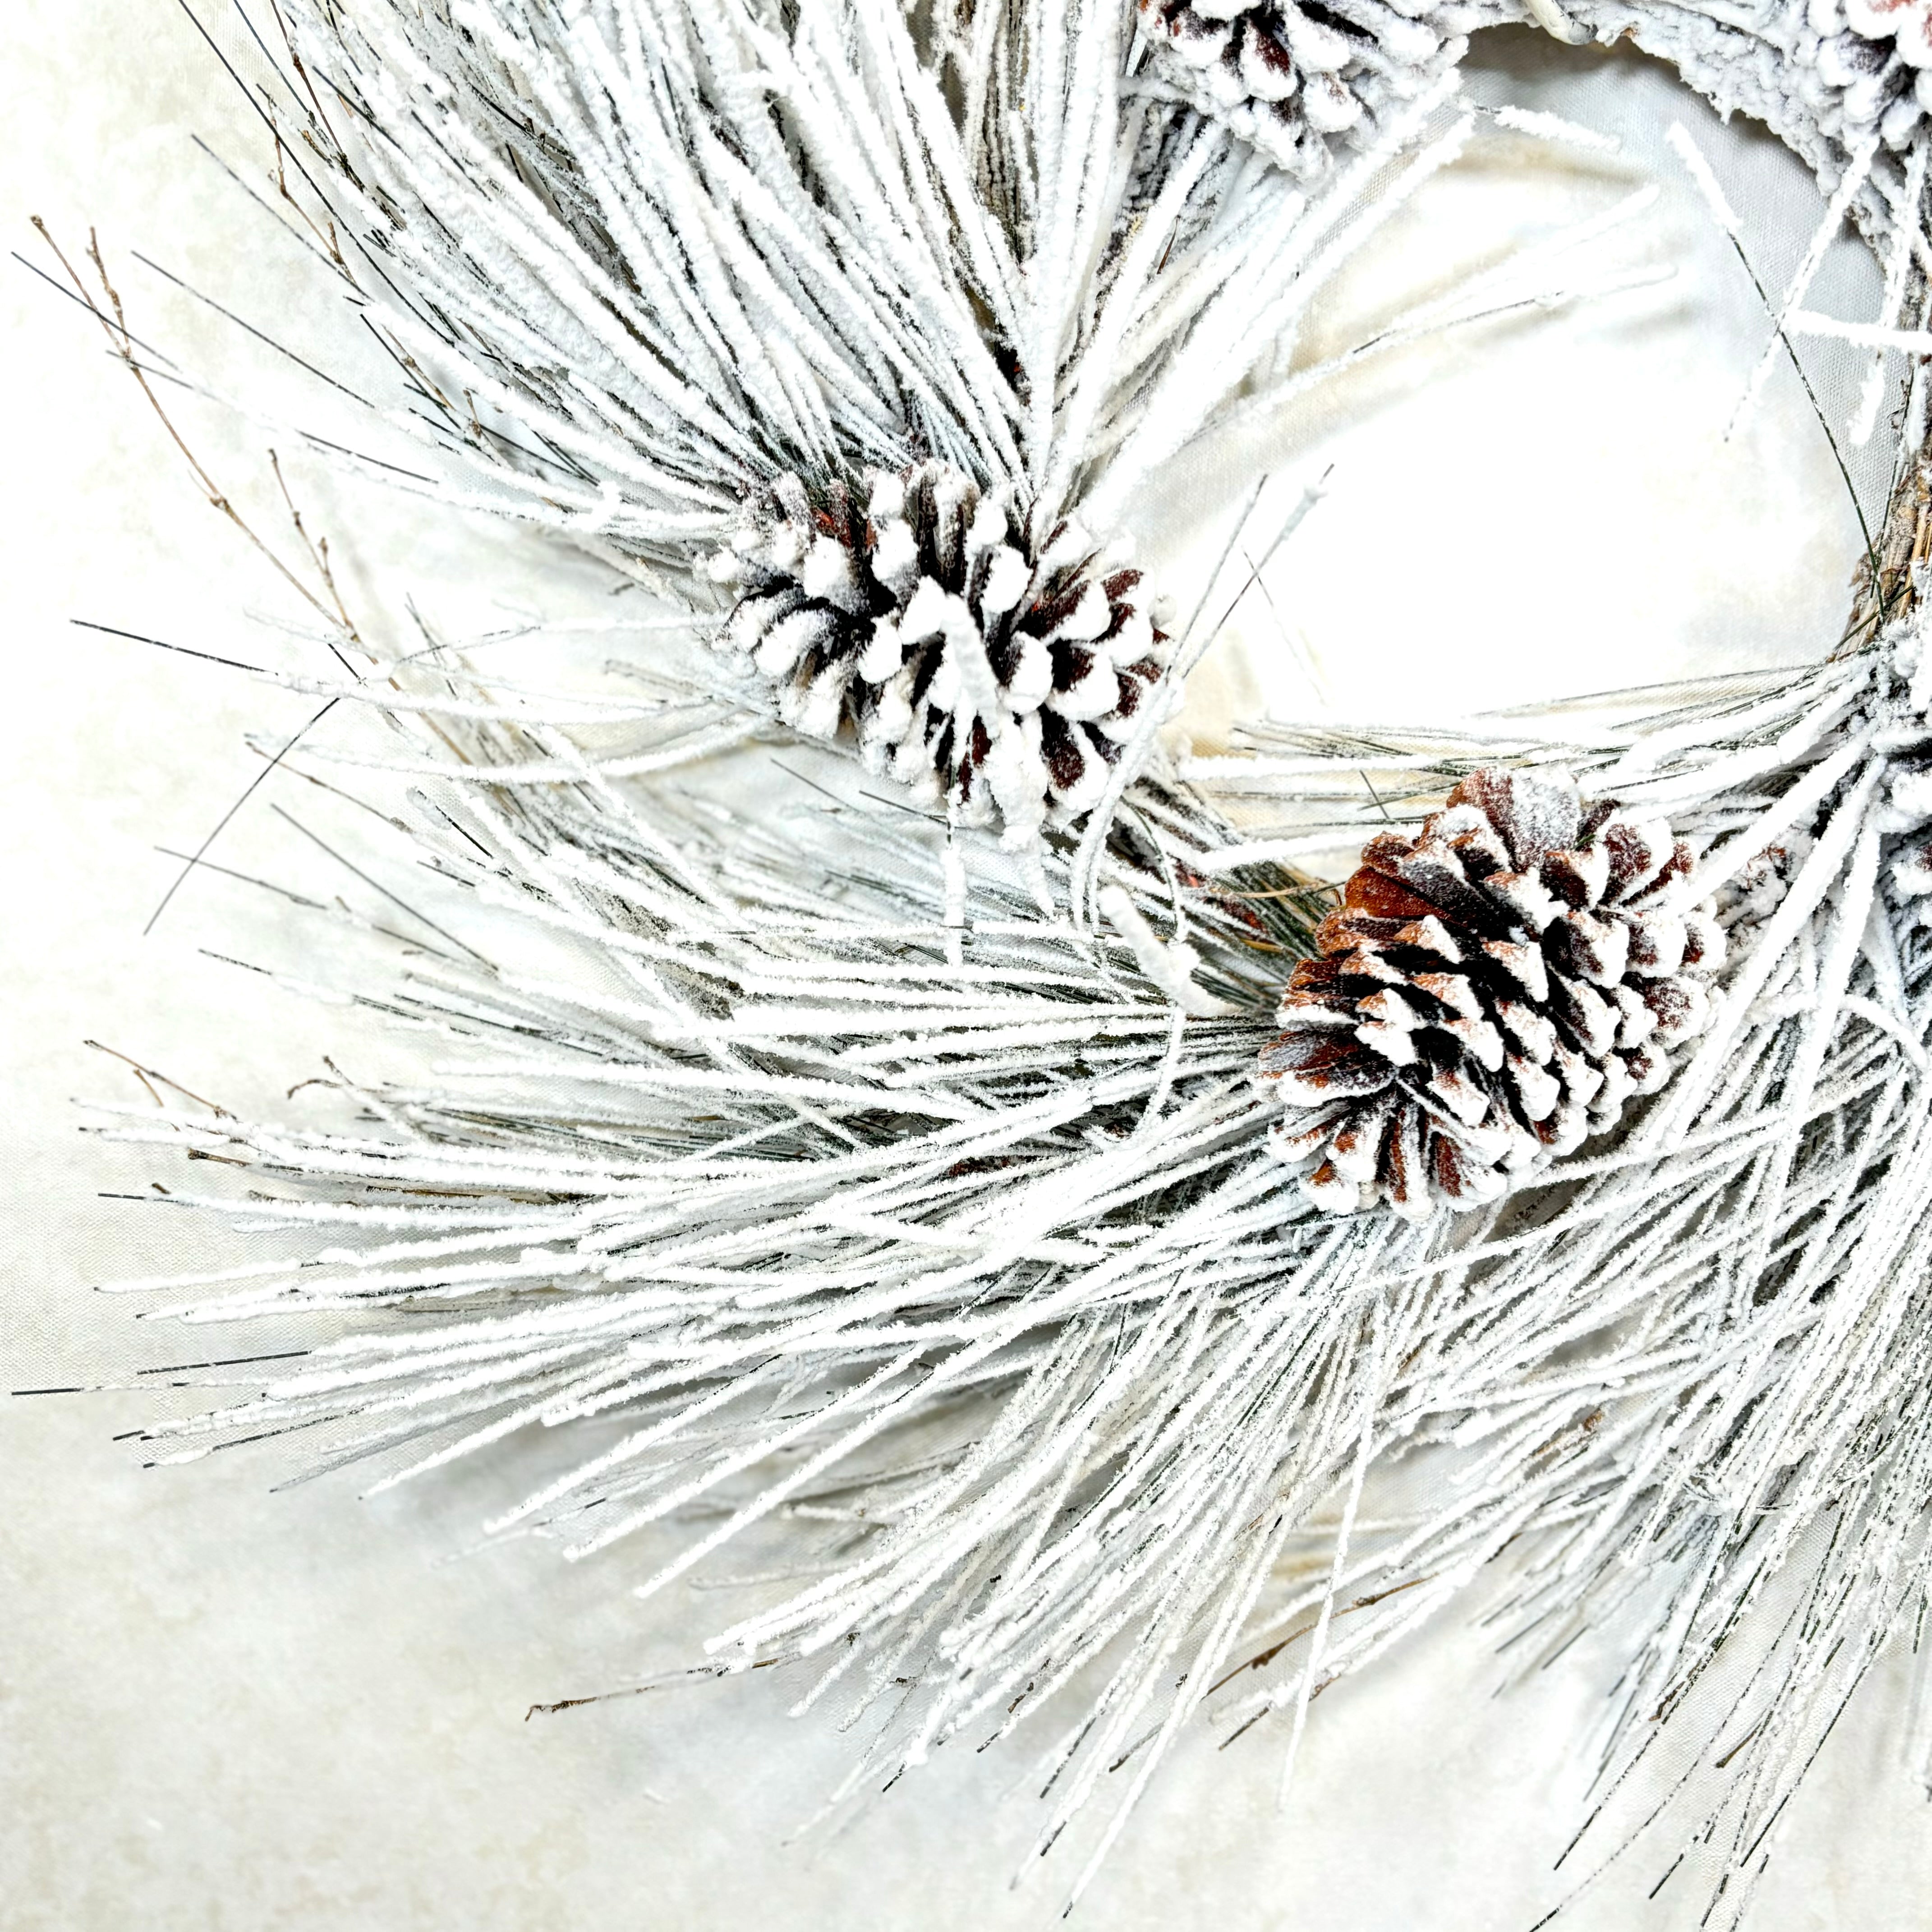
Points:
[221,1707]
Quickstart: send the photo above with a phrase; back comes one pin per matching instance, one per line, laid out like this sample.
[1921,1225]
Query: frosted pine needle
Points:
[977,1221]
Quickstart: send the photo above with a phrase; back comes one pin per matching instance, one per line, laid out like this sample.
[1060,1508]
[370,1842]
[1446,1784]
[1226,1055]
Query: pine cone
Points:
[1907,22]
[1877,55]
[996,680]
[1491,991]
[1295,77]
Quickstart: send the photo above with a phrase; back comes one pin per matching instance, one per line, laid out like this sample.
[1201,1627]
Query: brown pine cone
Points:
[994,678]
[1491,991]
[1296,77]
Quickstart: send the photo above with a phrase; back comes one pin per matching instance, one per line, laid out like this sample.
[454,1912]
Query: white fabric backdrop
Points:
[221,1708]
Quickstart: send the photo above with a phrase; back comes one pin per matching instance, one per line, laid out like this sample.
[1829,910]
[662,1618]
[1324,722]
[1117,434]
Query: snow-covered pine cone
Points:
[1877,56]
[1296,76]
[1907,22]
[996,680]
[1491,991]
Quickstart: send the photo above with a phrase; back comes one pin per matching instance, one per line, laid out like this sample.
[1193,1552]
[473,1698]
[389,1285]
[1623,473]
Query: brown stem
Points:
[1884,587]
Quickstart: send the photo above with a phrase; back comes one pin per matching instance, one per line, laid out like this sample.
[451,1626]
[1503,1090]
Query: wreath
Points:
[980,1155]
